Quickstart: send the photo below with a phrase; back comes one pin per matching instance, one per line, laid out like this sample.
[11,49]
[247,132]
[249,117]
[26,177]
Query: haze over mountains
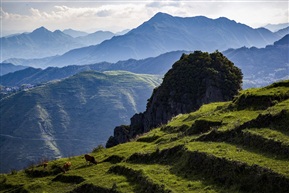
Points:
[260,66]
[164,33]
[154,65]
[44,43]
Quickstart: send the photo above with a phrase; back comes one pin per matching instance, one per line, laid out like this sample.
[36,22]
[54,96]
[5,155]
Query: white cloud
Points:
[118,15]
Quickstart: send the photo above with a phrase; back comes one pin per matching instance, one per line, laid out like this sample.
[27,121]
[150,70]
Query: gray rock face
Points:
[194,80]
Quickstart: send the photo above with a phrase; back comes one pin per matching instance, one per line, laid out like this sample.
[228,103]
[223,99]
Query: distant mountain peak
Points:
[58,32]
[224,19]
[160,16]
[40,30]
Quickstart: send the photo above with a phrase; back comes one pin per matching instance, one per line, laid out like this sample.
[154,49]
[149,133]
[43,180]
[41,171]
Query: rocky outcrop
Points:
[194,80]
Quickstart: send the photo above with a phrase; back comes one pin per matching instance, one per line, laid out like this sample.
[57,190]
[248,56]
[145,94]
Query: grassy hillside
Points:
[69,117]
[236,146]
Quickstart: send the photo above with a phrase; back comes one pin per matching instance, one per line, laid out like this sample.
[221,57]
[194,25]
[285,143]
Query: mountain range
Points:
[165,33]
[276,27]
[260,66]
[8,67]
[69,117]
[74,33]
[44,43]
[154,65]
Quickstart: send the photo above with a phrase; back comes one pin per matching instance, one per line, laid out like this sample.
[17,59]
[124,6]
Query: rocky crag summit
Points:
[196,79]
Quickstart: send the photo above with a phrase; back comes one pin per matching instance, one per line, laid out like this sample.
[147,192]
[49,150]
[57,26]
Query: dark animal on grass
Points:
[90,159]
[66,166]
[45,164]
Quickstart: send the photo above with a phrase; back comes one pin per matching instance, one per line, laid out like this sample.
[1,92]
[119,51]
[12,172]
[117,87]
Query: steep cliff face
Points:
[196,79]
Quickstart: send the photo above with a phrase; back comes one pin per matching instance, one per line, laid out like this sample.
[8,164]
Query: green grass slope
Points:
[236,146]
[68,117]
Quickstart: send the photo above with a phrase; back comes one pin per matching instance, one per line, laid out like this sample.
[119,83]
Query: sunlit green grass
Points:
[235,153]
[271,134]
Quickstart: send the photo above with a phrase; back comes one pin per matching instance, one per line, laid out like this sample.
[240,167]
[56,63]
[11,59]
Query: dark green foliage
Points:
[40,172]
[202,126]
[193,76]
[68,179]
[148,139]
[259,102]
[114,159]
[90,188]
[164,156]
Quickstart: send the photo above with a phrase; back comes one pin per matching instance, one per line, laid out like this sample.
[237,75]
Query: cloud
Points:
[160,4]
[117,15]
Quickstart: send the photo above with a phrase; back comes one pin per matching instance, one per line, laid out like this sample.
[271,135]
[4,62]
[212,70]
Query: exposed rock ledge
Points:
[196,79]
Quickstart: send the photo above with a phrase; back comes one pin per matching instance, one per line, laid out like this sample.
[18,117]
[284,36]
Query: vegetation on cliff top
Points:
[196,79]
[235,146]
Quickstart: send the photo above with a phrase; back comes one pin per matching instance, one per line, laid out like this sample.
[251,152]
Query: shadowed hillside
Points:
[68,117]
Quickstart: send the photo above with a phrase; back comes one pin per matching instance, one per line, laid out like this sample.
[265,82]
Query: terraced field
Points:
[237,146]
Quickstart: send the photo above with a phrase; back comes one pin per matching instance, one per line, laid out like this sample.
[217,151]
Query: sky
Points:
[116,15]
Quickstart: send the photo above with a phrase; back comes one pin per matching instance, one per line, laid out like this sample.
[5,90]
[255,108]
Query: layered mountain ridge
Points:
[44,43]
[165,33]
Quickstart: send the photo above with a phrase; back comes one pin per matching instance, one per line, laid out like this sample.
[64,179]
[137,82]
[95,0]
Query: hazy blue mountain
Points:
[122,32]
[8,67]
[74,33]
[262,66]
[276,27]
[164,33]
[95,38]
[154,65]
[36,63]
[282,32]
[37,76]
[39,43]
[283,42]
[44,44]
[21,77]
[69,117]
